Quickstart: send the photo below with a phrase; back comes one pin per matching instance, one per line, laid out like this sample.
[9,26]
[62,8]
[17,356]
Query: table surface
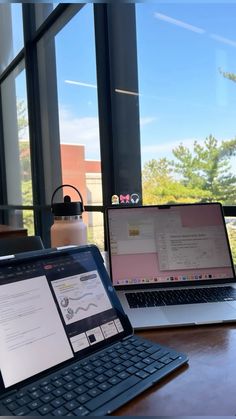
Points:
[205,386]
[9,231]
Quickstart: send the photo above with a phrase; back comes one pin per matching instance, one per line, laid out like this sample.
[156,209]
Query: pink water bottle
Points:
[68,227]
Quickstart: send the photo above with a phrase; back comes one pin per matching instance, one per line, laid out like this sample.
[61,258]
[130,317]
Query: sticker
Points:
[115,199]
[125,199]
[134,198]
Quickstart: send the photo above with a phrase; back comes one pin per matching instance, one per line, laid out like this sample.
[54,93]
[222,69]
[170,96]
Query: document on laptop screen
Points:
[179,243]
[30,325]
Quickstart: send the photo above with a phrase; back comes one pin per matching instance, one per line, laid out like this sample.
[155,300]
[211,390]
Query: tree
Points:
[159,186]
[228,75]
[208,169]
[201,175]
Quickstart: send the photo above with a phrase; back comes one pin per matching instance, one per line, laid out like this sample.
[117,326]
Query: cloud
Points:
[80,83]
[85,131]
[179,23]
[223,40]
[147,120]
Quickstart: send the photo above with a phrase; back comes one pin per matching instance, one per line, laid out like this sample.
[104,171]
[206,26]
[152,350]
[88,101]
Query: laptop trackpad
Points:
[200,313]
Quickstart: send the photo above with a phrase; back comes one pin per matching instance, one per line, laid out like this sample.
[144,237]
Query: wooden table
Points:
[207,386]
[8,231]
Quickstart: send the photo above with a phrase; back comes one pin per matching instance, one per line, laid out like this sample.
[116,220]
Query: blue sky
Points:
[183,96]
[184,47]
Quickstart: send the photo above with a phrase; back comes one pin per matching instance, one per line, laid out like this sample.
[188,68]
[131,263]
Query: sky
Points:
[182,95]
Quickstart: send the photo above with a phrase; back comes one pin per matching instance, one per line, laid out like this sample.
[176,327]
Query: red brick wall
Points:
[74,169]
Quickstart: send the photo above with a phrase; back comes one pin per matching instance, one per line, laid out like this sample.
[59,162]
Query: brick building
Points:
[85,175]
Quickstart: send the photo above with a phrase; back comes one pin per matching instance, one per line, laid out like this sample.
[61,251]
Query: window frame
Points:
[107,18]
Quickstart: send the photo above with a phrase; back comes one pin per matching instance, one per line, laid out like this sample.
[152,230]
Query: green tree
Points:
[207,168]
[159,185]
[228,75]
[203,174]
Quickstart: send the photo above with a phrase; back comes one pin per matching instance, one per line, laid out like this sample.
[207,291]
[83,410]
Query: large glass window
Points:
[11,33]
[78,115]
[16,145]
[187,75]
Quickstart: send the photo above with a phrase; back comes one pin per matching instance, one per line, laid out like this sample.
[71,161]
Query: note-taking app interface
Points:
[178,243]
[49,312]
[29,324]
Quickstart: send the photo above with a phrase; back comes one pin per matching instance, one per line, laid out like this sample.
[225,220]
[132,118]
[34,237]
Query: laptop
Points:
[171,265]
[67,347]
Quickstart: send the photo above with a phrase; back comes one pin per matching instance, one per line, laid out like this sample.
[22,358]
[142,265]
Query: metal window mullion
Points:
[119,123]
[32,83]
[3,179]
[124,97]
[104,101]
[229,210]
[11,67]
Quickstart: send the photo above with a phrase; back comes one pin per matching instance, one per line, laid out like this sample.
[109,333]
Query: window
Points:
[78,116]
[186,57]
[16,145]
[11,33]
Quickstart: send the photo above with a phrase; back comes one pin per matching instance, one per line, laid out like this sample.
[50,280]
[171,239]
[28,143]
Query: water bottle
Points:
[68,227]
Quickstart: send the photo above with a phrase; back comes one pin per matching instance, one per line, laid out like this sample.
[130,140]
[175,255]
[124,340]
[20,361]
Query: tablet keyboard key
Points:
[73,404]
[23,400]
[22,411]
[84,398]
[142,374]
[69,396]
[45,409]
[35,404]
[94,392]
[150,368]
[81,411]
[58,402]
[104,386]
[61,411]
[12,406]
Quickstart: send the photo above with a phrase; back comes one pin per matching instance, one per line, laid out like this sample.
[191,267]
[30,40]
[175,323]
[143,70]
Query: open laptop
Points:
[67,347]
[171,264]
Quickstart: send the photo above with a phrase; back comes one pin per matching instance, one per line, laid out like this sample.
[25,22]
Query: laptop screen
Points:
[54,308]
[168,244]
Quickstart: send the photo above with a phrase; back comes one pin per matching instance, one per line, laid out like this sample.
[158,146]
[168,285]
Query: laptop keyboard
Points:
[183,296]
[98,384]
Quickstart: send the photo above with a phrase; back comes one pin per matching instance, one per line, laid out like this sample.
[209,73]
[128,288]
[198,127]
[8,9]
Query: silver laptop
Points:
[171,264]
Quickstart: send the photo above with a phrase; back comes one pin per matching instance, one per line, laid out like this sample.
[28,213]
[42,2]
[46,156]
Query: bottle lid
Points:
[67,208]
